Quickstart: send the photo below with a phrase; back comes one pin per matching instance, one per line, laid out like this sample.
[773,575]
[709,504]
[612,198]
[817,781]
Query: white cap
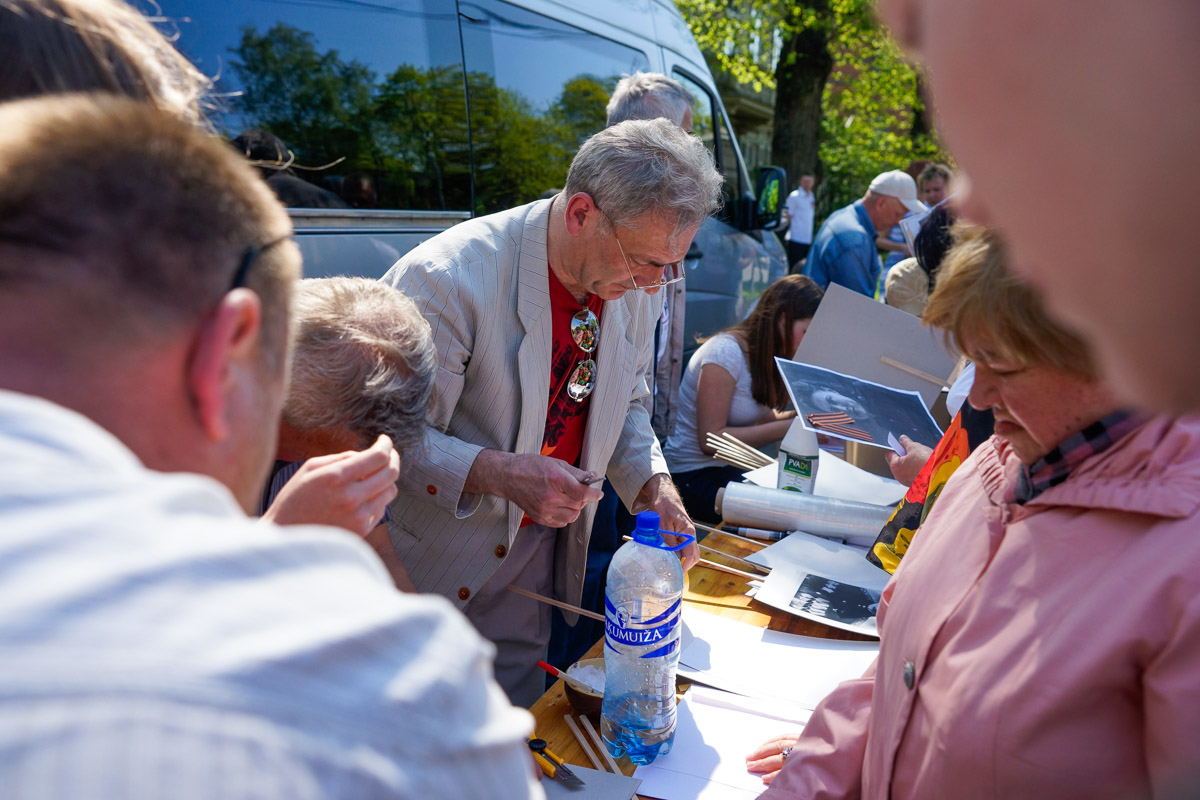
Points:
[900,185]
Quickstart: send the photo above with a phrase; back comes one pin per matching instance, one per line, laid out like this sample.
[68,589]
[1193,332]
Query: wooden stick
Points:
[583,743]
[724,532]
[748,564]
[556,603]
[728,459]
[713,565]
[736,458]
[731,443]
[587,726]
[891,362]
[749,450]
[722,568]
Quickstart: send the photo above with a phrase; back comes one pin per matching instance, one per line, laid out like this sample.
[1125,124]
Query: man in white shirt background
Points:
[798,212]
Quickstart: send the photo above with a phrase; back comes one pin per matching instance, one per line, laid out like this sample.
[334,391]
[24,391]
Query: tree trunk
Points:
[804,66]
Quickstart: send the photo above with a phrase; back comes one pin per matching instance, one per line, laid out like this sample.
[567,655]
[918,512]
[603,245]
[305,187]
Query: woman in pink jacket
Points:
[1041,639]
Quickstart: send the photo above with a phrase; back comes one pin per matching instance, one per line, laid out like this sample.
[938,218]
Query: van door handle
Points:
[694,252]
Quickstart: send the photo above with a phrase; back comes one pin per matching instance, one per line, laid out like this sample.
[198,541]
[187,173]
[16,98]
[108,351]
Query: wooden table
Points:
[709,590]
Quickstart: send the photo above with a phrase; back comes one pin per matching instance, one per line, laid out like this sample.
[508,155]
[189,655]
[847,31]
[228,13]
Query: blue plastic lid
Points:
[646,531]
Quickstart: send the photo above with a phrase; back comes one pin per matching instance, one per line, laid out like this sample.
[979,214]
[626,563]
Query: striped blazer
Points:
[483,287]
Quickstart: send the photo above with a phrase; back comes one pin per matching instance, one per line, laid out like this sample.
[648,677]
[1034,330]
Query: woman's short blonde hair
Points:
[982,306]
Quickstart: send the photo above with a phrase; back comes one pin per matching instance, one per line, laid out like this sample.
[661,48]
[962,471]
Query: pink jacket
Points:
[1046,651]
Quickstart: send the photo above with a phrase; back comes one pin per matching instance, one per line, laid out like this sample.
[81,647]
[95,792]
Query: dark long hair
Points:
[767,332]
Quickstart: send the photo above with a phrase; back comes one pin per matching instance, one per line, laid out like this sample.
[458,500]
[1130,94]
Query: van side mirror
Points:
[770,194]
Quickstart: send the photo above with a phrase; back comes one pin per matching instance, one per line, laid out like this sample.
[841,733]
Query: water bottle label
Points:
[623,628]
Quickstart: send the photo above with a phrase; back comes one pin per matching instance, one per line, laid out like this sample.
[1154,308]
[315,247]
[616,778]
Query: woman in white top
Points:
[732,385]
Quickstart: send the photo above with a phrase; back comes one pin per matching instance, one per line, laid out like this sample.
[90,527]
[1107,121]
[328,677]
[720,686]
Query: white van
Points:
[407,116]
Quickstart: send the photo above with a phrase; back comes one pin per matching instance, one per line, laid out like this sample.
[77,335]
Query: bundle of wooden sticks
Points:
[733,450]
[839,423]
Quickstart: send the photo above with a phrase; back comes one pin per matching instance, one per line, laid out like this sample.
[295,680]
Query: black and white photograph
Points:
[872,409]
[838,603]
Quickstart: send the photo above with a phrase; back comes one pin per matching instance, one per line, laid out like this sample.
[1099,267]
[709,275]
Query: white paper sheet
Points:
[843,586]
[838,478]
[762,663]
[715,731]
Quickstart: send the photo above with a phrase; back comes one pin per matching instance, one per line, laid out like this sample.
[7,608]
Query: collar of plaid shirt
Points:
[1057,465]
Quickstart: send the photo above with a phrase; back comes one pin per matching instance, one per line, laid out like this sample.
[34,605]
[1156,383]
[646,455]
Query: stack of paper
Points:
[757,662]
[839,479]
[714,733]
[822,580]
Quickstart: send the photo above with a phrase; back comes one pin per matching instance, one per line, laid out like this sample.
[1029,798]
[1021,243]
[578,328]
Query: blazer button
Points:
[431,489]
[464,593]
[501,551]
[910,674]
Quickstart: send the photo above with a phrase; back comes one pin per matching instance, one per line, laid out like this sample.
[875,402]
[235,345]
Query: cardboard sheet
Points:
[596,786]
[850,333]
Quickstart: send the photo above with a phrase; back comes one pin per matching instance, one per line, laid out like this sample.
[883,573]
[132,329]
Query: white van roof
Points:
[656,21]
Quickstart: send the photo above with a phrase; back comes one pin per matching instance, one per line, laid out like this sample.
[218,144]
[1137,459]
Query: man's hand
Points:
[767,758]
[906,467]
[659,494]
[550,491]
[349,490]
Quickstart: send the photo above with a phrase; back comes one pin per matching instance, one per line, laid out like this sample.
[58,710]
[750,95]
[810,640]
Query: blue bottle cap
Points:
[646,531]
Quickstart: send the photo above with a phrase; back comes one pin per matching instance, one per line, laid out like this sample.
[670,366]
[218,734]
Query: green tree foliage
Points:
[847,104]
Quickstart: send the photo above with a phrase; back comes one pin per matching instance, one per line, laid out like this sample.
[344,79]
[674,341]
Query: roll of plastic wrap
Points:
[779,510]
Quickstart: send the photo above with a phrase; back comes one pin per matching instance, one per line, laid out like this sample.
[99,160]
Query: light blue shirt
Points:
[844,251]
[155,642]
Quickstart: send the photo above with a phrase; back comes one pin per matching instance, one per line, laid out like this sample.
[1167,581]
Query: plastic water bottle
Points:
[799,458]
[642,606]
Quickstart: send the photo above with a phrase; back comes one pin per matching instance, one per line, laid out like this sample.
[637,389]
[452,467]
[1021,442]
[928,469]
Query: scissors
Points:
[553,765]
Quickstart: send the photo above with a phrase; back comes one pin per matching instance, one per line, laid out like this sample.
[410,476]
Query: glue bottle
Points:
[799,458]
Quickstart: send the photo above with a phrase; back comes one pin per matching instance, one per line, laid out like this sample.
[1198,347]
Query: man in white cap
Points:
[844,249]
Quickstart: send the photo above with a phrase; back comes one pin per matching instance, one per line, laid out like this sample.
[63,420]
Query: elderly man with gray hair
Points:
[543,318]
[362,379]
[648,95]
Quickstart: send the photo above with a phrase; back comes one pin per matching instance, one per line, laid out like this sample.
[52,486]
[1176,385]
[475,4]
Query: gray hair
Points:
[642,168]
[364,359]
[648,95]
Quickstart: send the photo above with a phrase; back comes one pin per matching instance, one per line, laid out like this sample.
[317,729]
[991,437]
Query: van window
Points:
[537,89]
[364,99]
[707,124]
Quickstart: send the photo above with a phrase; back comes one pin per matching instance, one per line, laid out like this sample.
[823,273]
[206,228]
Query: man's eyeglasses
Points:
[248,257]
[585,331]
[672,273]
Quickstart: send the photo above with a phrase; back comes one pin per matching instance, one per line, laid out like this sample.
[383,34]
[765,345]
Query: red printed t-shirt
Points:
[566,419]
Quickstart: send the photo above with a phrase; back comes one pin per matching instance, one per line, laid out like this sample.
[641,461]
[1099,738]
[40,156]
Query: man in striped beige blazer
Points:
[534,400]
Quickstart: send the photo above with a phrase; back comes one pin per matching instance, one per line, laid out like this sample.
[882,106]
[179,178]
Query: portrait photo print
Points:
[873,410]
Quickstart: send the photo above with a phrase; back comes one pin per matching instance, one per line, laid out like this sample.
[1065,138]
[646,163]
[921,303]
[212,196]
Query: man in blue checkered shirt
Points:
[844,250]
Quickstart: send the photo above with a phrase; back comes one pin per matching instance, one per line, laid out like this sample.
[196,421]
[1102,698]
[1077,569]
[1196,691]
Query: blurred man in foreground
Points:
[152,633]
[1056,106]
